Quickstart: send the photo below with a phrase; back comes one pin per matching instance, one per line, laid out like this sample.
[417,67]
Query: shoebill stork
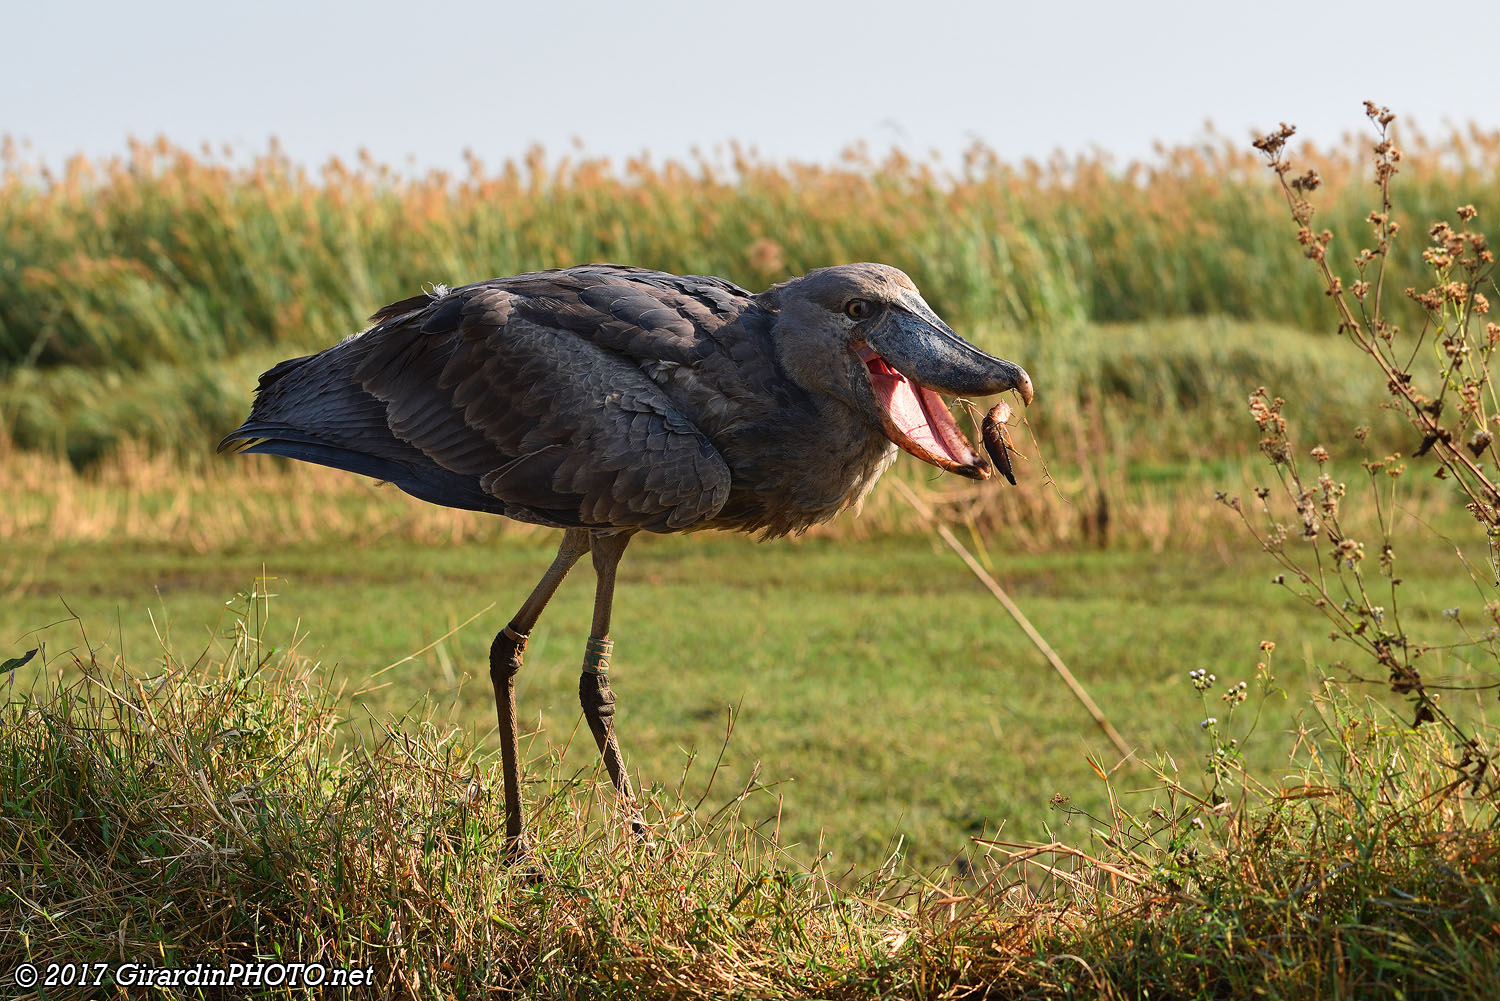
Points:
[606,401]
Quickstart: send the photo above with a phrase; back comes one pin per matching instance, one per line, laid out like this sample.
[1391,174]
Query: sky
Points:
[418,84]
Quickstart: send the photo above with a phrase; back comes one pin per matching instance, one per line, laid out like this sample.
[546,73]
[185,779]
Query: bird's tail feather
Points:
[234,444]
[421,479]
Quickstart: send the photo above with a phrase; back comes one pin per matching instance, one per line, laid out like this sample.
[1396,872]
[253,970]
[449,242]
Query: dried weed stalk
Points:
[1437,373]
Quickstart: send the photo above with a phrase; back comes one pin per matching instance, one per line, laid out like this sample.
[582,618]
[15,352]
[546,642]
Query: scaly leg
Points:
[505,661]
[593,684]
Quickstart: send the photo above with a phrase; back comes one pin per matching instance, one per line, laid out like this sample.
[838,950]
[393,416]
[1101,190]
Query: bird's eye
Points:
[858,309]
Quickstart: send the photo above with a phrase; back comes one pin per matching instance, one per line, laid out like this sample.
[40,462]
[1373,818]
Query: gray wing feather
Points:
[532,387]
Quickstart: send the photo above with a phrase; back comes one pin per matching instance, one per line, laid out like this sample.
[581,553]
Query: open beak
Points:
[910,357]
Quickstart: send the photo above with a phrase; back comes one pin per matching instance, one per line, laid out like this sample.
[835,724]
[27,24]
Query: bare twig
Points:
[1015,612]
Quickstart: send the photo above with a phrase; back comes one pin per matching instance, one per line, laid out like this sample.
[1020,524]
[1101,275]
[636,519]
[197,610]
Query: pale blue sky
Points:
[418,83]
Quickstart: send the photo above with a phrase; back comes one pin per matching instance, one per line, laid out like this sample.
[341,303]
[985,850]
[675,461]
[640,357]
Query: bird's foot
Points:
[520,860]
[640,831]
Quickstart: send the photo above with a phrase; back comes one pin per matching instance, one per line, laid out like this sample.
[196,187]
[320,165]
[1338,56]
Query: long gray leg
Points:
[593,684]
[505,661]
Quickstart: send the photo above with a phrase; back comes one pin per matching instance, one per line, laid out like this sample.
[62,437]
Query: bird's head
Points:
[862,334]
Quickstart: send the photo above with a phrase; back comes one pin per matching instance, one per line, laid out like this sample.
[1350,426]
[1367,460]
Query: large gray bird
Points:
[608,400]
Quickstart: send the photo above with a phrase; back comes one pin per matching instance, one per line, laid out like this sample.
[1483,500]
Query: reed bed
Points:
[1130,438]
[167,255]
[140,296]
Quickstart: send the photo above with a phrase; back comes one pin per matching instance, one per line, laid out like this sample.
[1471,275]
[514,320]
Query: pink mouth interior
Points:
[919,414]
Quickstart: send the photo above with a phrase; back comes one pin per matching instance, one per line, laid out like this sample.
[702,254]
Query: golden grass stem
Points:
[1079,692]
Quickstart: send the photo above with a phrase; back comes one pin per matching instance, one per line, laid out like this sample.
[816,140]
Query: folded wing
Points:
[524,396]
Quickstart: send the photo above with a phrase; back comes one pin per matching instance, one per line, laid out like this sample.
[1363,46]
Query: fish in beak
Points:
[910,357]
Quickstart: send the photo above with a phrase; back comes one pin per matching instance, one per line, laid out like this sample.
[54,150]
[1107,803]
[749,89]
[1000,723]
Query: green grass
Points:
[165,255]
[887,696]
[206,810]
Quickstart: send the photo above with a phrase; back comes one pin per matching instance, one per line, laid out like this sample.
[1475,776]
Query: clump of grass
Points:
[1364,868]
[208,810]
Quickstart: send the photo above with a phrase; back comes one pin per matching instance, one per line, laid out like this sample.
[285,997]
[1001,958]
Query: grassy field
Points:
[203,796]
[883,694]
[261,724]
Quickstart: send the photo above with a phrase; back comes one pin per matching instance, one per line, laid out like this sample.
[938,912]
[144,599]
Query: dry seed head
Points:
[1379,114]
[1333,492]
[1305,508]
[766,256]
[1307,182]
[1272,143]
[1432,299]
[1276,449]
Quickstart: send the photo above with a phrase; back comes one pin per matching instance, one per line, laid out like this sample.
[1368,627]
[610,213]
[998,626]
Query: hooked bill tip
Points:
[1023,386]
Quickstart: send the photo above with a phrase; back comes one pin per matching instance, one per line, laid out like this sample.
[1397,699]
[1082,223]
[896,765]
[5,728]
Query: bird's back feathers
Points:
[524,396]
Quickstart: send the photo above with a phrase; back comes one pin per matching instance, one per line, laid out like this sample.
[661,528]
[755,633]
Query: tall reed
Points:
[168,255]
